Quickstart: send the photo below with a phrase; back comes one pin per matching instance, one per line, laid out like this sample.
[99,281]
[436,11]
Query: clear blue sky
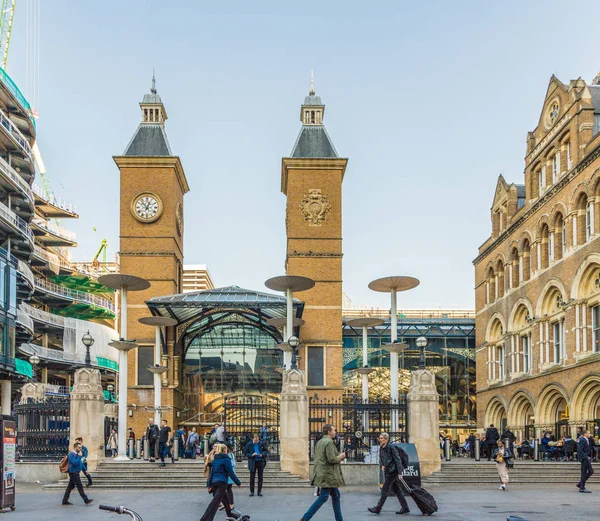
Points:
[430,101]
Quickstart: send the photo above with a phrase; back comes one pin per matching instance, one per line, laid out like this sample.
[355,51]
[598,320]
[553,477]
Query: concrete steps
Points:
[484,472]
[184,474]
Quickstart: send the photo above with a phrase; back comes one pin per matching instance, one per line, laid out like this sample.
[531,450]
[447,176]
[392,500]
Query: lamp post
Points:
[157,369]
[365,371]
[294,342]
[288,284]
[393,285]
[110,388]
[422,344]
[34,360]
[88,342]
[124,283]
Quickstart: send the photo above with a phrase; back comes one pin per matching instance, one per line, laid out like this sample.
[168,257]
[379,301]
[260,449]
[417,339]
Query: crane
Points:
[7,14]
[101,249]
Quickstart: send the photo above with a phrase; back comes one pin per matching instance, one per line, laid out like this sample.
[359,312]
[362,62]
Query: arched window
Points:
[499,279]
[582,220]
[589,220]
[543,248]
[490,295]
[514,268]
[526,261]
[558,238]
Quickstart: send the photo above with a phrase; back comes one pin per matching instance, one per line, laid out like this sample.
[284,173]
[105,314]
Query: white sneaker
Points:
[502,487]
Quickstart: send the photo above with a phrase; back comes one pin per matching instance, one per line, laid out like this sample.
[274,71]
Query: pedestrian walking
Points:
[264,433]
[256,452]
[152,433]
[75,467]
[230,481]
[113,444]
[84,465]
[193,442]
[584,455]
[503,457]
[393,460]
[220,471]
[491,440]
[165,437]
[327,474]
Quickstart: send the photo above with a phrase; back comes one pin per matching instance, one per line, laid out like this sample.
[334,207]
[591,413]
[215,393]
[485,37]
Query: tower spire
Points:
[311,92]
[153,89]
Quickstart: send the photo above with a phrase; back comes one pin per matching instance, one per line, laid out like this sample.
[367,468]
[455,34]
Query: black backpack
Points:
[402,454]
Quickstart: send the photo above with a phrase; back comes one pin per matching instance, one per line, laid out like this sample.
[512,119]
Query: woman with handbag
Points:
[504,460]
[220,471]
[113,444]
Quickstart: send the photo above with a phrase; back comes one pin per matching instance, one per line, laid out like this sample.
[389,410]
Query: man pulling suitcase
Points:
[393,460]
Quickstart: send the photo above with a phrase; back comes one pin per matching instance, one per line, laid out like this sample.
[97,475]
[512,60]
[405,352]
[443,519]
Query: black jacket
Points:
[491,435]
[253,459]
[510,435]
[152,433]
[389,457]
[584,448]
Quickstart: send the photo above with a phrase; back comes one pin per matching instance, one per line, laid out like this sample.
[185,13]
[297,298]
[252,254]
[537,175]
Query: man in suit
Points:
[256,452]
[584,453]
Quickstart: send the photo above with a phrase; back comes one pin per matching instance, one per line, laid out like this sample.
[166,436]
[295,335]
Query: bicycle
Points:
[122,510]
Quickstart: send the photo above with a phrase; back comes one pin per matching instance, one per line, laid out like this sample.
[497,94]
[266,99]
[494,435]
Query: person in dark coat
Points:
[471,440]
[584,455]
[220,470]
[152,437]
[256,452]
[84,466]
[510,436]
[491,440]
[391,463]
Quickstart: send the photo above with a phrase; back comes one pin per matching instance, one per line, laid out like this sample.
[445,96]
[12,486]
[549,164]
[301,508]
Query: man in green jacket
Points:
[327,474]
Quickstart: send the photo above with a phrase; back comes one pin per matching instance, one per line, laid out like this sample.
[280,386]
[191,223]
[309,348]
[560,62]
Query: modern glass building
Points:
[450,354]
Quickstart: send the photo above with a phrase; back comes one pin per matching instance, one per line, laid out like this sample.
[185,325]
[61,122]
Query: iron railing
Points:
[16,221]
[53,200]
[358,425]
[52,228]
[244,418]
[73,294]
[109,424]
[43,429]
[11,173]
[12,130]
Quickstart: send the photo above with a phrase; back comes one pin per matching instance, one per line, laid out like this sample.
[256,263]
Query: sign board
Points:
[8,453]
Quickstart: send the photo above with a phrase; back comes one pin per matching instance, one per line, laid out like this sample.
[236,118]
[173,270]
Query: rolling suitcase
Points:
[424,500]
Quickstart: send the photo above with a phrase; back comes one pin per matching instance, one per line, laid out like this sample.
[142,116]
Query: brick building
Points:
[538,276]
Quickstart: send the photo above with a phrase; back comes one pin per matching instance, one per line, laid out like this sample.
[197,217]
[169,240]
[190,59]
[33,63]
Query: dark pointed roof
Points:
[313,142]
[148,141]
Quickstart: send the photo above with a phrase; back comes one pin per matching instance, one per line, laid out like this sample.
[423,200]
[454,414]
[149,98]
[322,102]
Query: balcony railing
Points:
[14,90]
[15,134]
[73,294]
[24,319]
[26,272]
[55,230]
[54,201]
[16,221]
[409,313]
[51,258]
[43,316]
[10,172]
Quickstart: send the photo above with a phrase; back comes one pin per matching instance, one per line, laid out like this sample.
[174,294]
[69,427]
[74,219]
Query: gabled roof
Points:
[148,141]
[313,142]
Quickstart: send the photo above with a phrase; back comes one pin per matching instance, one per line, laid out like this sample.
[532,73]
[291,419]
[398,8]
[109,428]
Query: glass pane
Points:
[315,366]
[145,358]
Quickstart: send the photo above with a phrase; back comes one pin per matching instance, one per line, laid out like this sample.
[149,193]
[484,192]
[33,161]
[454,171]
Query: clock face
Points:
[147,207]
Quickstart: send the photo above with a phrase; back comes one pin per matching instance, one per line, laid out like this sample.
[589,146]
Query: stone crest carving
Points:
[87,382]
[293,382]
[315,207]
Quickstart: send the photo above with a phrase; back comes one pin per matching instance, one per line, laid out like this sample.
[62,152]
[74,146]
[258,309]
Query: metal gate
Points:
[43,429]
[245,417]
[109,424]
[358,425]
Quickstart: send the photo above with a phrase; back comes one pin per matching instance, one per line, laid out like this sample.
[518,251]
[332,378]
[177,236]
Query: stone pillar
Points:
[5,395]
[424,420]
[87,414]
[35,391]
[294,424]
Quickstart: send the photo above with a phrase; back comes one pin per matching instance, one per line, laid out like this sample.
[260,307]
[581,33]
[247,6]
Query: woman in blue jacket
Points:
[220,471]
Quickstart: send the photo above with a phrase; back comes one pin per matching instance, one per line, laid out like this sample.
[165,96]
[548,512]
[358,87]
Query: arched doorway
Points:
[495,414]
[553,410]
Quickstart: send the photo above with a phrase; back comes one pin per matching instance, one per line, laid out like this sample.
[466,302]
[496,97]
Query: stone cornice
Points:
[304,163]
[583,164]
[155,162]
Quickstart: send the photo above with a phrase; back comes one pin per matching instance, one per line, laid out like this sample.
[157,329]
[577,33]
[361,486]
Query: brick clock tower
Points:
[153,184]
[311,178]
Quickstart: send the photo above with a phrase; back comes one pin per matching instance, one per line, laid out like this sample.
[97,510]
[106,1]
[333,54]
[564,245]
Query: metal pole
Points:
[122,428]
[289,328]
[394,362]
[157,385]
[447,452]
[477,449]
[365,377]
[6,392]
[175,448]
[536,449]
[138,449]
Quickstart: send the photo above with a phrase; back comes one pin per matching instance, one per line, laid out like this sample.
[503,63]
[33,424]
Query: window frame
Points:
[310,369]
[150,348]
[595,328]
[526,347]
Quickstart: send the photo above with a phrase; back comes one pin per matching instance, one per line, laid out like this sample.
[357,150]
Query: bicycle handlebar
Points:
[118,510]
